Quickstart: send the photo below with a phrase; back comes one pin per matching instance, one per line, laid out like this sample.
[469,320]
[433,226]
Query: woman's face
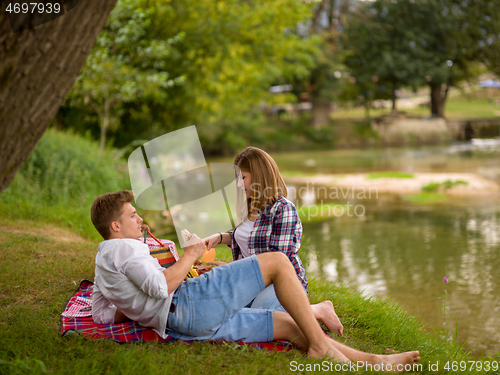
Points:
[247,183]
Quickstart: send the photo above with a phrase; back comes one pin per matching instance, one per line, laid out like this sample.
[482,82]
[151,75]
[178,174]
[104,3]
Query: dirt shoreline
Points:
[476,184]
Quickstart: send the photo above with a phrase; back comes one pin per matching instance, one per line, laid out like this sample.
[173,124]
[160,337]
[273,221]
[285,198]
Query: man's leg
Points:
[276,269]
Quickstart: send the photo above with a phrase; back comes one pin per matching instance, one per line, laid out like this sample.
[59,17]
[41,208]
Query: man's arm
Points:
[176,273]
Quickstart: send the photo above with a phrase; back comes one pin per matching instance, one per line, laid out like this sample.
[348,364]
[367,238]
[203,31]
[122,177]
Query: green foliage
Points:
[241,50]
[390,174]
[413,43]
[425,198]
[125,65]
[159,68]
[230,137]
[60,180]
[448,184]
[432,186]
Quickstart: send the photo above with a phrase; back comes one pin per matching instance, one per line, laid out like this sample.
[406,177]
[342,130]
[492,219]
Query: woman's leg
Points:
[323,311]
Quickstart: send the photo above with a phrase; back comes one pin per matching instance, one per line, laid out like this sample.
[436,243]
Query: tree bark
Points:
[437,100]
[320,112]
[104,123]
[394,98]
[38,67]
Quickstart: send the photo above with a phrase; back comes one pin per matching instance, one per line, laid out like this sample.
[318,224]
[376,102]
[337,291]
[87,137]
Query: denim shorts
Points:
[212,306]
[267,300]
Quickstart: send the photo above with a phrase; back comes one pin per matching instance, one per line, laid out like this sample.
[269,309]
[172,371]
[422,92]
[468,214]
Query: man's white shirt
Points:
[126,275]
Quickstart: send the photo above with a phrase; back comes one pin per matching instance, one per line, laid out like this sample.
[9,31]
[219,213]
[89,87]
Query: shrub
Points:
[60,180]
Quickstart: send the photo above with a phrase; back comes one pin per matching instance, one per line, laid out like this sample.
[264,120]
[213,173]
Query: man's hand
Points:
[196,247]
[177,272]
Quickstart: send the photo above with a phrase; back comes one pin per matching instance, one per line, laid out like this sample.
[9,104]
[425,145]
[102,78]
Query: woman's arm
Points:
[217,239]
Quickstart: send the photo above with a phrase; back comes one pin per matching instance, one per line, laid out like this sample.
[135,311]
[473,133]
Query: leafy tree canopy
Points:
[160,65]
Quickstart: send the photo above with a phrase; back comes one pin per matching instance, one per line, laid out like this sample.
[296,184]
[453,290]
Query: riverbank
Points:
[465,184]
[40,270]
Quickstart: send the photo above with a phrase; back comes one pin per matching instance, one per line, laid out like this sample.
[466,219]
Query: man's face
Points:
[129,222]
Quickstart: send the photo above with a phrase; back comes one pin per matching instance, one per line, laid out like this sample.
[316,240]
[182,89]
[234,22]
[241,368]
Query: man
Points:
[130,284]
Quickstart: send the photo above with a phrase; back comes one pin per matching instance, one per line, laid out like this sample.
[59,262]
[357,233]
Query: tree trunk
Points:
[104,123]
[320,112]
[394,98]
[38,67]
[437,101]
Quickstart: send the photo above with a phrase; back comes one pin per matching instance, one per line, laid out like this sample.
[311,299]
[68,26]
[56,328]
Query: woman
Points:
[272,224]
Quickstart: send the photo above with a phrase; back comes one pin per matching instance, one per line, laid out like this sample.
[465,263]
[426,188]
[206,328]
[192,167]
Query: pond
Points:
[403,252]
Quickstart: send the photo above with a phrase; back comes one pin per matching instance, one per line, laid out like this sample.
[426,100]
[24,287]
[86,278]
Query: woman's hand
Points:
[216,263]
[212,241]
[203,269]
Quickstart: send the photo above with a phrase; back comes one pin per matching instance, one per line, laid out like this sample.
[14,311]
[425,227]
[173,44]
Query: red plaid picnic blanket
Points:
[77,318]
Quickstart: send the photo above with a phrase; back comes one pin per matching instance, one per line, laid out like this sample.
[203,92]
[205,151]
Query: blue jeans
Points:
[211,307]
[267,300]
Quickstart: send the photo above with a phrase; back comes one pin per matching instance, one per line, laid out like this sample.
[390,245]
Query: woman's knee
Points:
[272,264]
[274,257]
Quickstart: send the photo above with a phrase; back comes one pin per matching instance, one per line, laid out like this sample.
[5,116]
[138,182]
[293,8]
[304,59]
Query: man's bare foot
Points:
[325,313]
[400,362]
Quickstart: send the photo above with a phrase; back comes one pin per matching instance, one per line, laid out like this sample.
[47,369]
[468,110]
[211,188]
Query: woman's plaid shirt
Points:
[278,228]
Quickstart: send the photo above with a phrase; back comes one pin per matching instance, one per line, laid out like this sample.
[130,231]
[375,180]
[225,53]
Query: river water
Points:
[403,250]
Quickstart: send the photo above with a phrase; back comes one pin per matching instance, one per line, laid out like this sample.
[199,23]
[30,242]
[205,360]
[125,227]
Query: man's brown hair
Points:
[267,184]
[108,208]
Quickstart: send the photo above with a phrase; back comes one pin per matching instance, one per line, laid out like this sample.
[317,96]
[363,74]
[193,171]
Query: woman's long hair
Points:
[267,184]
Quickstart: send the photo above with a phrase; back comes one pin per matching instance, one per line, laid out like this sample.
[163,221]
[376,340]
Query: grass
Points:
[457,107]
[389,174]
[448,184]
[39,272]
[61,179]
[426,198]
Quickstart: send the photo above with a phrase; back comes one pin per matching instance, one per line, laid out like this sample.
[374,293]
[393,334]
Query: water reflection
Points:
[403,251]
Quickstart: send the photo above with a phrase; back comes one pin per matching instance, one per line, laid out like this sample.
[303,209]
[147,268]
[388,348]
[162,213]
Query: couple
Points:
[130,284]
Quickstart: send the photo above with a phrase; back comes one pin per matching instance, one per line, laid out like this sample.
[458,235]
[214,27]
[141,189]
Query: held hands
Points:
[212,241]
[195,248]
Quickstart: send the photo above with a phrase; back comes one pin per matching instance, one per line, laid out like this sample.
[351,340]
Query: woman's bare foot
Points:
[338,352]
[325,313]
[400,362]
[327,350]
